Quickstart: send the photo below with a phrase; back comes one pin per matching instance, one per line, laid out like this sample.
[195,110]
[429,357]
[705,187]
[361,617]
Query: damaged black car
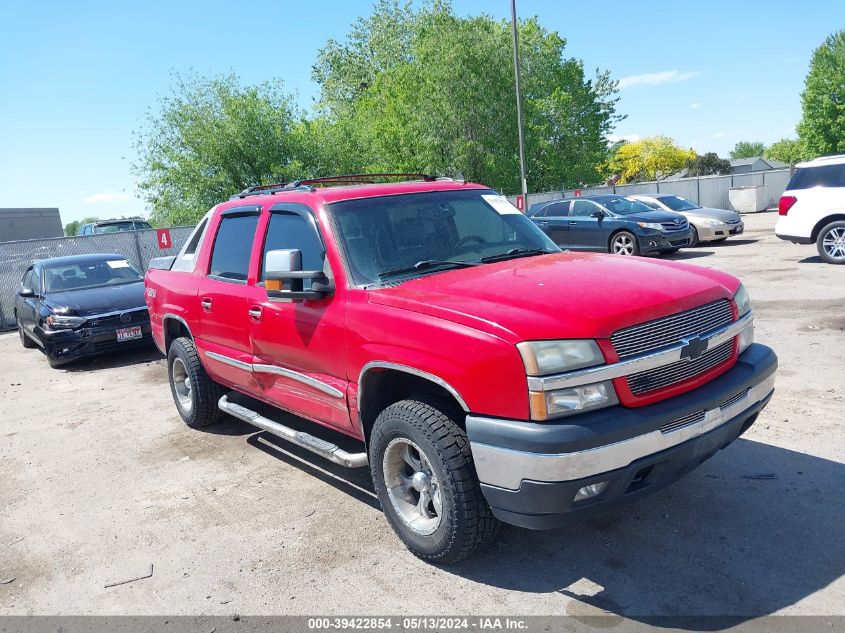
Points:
[83,305]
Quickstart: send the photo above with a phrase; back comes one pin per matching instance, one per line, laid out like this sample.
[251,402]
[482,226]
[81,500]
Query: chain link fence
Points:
[139,247]
[707,191]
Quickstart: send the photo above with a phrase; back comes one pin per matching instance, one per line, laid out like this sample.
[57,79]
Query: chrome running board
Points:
[320,447]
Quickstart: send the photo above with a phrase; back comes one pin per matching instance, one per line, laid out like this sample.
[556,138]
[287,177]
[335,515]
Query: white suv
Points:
[812,209]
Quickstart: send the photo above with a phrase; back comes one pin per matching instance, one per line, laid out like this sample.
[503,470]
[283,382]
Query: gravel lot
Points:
[100,479]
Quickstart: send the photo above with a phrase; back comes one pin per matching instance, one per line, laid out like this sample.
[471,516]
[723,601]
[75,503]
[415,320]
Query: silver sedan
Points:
[708,225]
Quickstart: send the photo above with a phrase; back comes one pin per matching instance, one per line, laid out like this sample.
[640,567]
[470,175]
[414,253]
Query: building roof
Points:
[772,163]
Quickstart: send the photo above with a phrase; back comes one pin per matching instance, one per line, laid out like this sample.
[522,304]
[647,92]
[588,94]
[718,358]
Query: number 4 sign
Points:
[163,238]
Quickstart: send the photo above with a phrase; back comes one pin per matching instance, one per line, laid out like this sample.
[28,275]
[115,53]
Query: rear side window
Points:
[823,176]
[289,231]
[232,247]
[557,210]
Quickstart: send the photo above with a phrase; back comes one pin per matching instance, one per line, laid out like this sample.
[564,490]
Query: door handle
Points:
[573,223]
[255,312]
[544,224]
[206,304]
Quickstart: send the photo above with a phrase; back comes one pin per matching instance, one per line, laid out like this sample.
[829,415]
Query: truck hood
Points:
[91,301]
[564,295]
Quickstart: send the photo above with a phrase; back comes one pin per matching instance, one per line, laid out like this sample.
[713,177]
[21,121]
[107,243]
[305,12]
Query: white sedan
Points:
[708,225]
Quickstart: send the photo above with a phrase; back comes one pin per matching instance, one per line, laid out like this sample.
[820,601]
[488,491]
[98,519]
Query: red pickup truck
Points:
[428,329]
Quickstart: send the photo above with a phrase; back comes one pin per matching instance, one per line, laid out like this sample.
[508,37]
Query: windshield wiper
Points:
[425,265]
[515,252]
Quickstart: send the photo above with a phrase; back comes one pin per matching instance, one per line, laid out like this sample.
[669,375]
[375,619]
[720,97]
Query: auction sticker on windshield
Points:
[128,333]
[501,204]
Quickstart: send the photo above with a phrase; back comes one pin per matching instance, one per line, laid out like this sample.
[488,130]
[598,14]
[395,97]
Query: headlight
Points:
[743,302]
[709,222]
[554,404]
[651,225]
[549,357]
[59,322]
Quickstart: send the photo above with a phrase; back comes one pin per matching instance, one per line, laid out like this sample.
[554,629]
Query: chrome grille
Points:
[671,226]
[660,377]
[674,425]
[135,317]
[734,399]
[652,335]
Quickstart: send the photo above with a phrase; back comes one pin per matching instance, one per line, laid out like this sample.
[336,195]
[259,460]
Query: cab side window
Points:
[288,230]
[232,247]
[26,282]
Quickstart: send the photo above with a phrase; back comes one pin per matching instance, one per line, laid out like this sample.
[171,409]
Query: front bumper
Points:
[661,241]
[68,345]
[708,232]
[530,472]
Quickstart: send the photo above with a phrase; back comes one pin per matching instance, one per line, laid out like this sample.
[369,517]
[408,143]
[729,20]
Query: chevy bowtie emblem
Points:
[693,348]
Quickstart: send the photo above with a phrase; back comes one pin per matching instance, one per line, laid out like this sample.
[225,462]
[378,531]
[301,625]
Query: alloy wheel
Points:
[623,245]
[834,242]
[182,384]
[412,486]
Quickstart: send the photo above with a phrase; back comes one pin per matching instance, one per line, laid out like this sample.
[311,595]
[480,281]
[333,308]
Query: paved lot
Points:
[100,479]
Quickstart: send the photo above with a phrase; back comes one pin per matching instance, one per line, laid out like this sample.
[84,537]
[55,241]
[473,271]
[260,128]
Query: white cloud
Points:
[107,197]
[695,105]
[657,79]
[630,138]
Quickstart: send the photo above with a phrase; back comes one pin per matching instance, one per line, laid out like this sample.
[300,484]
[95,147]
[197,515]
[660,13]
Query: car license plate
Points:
[128,333]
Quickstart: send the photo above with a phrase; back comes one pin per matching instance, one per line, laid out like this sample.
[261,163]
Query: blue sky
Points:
[77,77]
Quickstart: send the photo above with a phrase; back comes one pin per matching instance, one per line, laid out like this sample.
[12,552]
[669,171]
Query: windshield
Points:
[96,274]
[623,206]
[117,227]
[445,229]
[677,203]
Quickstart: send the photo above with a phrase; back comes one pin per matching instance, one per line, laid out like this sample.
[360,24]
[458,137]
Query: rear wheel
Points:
[624,243]
[25,340]
[831,243]
[425,479]
[194,393]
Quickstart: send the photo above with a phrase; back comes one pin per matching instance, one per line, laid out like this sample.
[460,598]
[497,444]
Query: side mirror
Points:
[26,292]
[284,278]
[597,214]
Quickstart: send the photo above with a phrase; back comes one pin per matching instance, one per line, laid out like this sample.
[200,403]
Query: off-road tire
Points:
[26,342]
[204,392]
[834,230]
[466,522]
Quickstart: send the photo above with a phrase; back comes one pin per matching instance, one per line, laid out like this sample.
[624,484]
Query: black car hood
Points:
[91,301]
[654,216]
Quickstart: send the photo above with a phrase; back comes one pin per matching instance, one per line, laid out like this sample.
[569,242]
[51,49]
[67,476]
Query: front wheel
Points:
[194,393]
[25,340]
[693,241]
[624,243]
[425,479]
[831,243]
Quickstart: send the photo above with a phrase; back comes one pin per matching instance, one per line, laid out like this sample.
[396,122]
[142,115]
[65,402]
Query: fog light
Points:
[593,490]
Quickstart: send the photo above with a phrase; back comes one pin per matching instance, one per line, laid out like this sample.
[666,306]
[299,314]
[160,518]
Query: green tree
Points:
[748,149]
[707,165]
[652,158]
[822,126]
[787,150]
[426,90]
[211,138]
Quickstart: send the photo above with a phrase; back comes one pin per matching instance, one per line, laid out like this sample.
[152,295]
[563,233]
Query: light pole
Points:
[519,109]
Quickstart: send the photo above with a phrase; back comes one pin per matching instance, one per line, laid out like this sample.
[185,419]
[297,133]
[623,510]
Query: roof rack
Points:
[328,181]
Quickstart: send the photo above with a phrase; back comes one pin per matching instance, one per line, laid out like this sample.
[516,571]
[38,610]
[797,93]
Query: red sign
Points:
[520,203]
[163,238]
[577,192]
